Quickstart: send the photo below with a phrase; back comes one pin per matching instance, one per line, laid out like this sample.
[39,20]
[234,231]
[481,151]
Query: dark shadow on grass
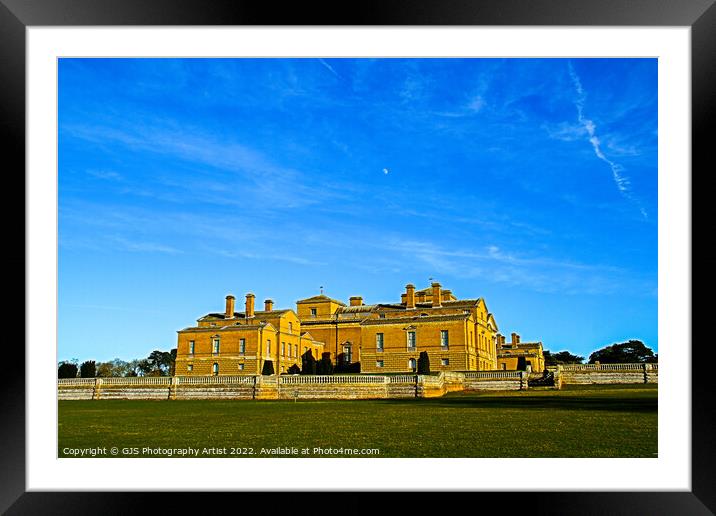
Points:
[616,404]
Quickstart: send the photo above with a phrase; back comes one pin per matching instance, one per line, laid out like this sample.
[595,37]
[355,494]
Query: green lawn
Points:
[578,421]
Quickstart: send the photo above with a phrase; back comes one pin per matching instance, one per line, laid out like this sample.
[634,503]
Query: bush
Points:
[308,363]
[268,368]
[325,366]
[67,370]
[423,363]
[294,369]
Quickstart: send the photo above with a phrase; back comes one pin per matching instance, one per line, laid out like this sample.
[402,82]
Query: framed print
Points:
[537,154]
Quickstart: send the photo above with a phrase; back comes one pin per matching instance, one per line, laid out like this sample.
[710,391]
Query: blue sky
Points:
[529,182]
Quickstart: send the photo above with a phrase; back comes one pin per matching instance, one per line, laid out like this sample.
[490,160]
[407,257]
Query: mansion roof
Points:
[319,298]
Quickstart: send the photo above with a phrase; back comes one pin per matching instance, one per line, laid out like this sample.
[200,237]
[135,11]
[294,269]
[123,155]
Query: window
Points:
[381,315]
[295,348]
[268,347]
[411,364]
[313,312]
[215,348]
[283,349]
[444,339]
[212,324]
[242,346]
[190,367]
[504,366]
[191,347]
[379,342]
[215,369]
[378,363]
[290,327]
[241,367]
[411,340]
[444,361]
[347,354]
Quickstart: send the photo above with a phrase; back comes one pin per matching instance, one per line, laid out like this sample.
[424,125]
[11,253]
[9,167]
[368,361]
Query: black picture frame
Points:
[700,15]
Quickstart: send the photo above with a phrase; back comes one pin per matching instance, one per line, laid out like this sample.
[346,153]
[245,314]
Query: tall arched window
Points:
[411,364]
[215,369]
[216,344]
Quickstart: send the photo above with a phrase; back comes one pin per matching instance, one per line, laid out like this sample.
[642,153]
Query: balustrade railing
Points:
[75,381]
[194,380]
[138,380]
[331,379]
[402,378]
[607,367]
[476,375]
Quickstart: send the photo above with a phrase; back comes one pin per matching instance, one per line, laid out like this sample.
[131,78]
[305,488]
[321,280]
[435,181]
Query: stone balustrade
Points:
[341,386]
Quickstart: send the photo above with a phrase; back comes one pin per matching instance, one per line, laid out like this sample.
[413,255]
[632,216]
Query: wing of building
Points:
[457,334]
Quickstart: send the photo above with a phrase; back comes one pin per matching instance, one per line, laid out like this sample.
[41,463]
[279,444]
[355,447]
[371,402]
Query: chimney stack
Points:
[410,296]
[229,307]
[356,301]
[515,338]
[250,305]
[437,295]
[268,305]
[447,294]
[502,340]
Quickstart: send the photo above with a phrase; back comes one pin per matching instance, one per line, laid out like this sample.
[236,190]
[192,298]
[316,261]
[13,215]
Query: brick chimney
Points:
[437,295]
[410,296]
[502,340]
[356,301]
[229,306]
[515,338]
[250,305]
[447,294]
[268,305]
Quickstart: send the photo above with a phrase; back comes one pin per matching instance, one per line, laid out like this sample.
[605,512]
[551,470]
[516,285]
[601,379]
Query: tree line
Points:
[630,352]
[158,363]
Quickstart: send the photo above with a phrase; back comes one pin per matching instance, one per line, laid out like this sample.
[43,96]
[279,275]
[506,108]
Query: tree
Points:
[161,362]
[632,351]
[561,357]
[104,370]
[325,366]
[88,369]
[67,370]
[120,367]
[114,368]
[268,368]
[423,363]
[294,369]
[172,366]
[139,368]
[308,363]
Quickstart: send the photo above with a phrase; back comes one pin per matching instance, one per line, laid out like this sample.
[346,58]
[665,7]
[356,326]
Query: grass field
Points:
[578,421]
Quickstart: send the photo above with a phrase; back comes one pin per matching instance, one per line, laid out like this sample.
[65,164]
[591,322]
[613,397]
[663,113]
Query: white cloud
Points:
[620,180]
[329,67]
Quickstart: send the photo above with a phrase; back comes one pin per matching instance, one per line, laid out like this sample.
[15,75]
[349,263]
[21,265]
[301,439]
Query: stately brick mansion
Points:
[458,335]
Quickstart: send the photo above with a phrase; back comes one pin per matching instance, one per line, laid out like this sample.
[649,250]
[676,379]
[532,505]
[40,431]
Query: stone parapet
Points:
[361,386]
